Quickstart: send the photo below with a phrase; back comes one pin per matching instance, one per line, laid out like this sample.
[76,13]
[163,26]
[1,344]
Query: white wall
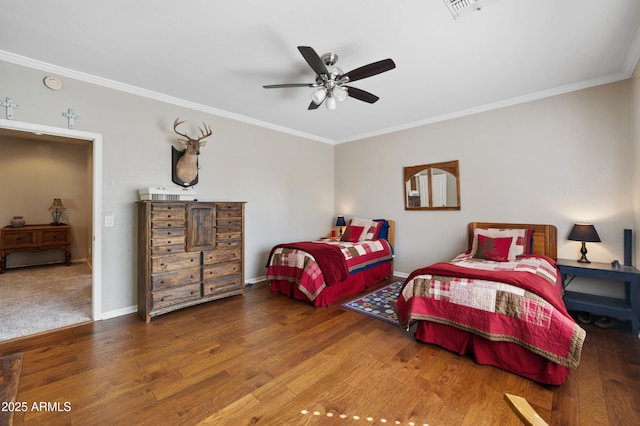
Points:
[558,161]
[287,181]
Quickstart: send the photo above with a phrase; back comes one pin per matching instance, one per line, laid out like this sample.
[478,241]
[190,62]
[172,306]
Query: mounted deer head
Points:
[186,166]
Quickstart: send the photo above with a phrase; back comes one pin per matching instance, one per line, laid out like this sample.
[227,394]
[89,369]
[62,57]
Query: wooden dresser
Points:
[32,238]
[188,253]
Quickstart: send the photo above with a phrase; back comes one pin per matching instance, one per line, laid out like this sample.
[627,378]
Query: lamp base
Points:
[583,252]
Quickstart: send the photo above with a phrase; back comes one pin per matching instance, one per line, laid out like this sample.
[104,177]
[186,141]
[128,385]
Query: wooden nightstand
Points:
[624,309]
[33,238]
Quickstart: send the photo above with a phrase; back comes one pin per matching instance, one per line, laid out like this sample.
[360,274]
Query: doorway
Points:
[94,235]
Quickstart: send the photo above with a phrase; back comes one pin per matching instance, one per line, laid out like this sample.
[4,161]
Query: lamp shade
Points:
[57,205]
[341,221]
[585,233]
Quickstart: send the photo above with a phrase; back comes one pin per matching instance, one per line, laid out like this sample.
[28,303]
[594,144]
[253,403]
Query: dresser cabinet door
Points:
[201,231]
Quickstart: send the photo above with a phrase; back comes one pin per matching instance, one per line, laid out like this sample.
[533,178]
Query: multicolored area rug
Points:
[378,304]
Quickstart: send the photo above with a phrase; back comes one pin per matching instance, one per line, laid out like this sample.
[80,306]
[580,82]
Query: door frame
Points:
[96,232]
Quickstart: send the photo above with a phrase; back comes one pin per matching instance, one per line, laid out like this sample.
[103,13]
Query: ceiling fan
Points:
[331,82]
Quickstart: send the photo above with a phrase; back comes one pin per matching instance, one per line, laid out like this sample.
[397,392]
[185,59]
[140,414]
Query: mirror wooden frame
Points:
[451,167]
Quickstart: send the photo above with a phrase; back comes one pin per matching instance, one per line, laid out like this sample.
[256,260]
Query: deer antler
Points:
[205,133]
[176,124]
[208,129]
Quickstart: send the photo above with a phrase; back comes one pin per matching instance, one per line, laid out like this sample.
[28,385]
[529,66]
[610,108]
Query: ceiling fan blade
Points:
[313,60]
[314,105]
[361,95]
[279,86]
[370,70]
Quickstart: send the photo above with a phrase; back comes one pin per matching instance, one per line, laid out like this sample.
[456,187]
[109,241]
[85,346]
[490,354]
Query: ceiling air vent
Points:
[458,7]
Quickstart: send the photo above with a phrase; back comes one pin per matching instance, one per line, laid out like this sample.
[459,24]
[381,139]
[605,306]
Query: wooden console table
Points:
[34,238]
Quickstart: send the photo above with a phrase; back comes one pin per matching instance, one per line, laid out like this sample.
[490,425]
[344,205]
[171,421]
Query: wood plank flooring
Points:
[265,359]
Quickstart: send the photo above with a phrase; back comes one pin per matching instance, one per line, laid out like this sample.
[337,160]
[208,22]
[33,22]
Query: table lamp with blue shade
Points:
[584,233]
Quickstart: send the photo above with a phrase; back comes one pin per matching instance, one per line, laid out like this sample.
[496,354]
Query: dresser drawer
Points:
[214,271]
[175,279]
[229,244]
[168,216]
[228,284]
[169,223]
[167,241]
[221,255]
[174,296]
[17,239]
[159,251]
[234,223]
[174,262]
[53,237]
[168,232]
[229,209]
[221,237]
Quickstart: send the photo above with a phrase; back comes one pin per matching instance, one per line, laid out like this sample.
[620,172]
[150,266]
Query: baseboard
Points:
[119,312]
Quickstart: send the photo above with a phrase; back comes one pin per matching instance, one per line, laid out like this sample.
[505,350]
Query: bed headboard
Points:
[545,237]
[391,237]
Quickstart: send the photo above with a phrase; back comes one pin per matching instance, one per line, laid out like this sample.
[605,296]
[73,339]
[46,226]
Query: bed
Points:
[321,272]
[500,300]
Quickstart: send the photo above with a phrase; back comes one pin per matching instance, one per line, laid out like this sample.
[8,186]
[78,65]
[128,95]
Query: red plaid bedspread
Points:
[518,302]
[301,268]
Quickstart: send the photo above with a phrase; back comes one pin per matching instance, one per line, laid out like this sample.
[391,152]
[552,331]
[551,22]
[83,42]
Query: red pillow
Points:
[493,248]
[352,234]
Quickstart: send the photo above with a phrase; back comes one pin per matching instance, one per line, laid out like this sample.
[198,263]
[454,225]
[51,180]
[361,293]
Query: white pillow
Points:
[514,250]
[367,224]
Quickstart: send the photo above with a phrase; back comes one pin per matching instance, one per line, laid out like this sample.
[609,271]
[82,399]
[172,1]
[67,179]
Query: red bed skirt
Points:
[505,355]
[354,284]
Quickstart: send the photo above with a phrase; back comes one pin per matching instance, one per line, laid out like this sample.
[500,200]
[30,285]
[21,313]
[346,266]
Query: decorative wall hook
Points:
[10,106]
[71,117]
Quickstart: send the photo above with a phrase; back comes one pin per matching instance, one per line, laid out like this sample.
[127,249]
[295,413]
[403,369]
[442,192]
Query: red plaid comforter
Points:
[289,263]
[518,301]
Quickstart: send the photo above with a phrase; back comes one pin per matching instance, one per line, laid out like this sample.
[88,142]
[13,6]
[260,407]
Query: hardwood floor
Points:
[265,359]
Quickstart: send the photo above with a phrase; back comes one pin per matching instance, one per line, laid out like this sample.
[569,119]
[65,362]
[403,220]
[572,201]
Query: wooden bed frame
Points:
[545,237]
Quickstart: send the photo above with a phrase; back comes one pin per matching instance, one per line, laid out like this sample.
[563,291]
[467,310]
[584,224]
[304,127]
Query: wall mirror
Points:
[432,186]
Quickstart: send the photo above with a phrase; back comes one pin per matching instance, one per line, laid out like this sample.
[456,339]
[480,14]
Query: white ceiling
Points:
[216,55]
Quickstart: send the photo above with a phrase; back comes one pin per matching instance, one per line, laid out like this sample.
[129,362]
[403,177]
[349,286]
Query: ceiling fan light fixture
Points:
[340,93]
[331,102]
[318,95]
